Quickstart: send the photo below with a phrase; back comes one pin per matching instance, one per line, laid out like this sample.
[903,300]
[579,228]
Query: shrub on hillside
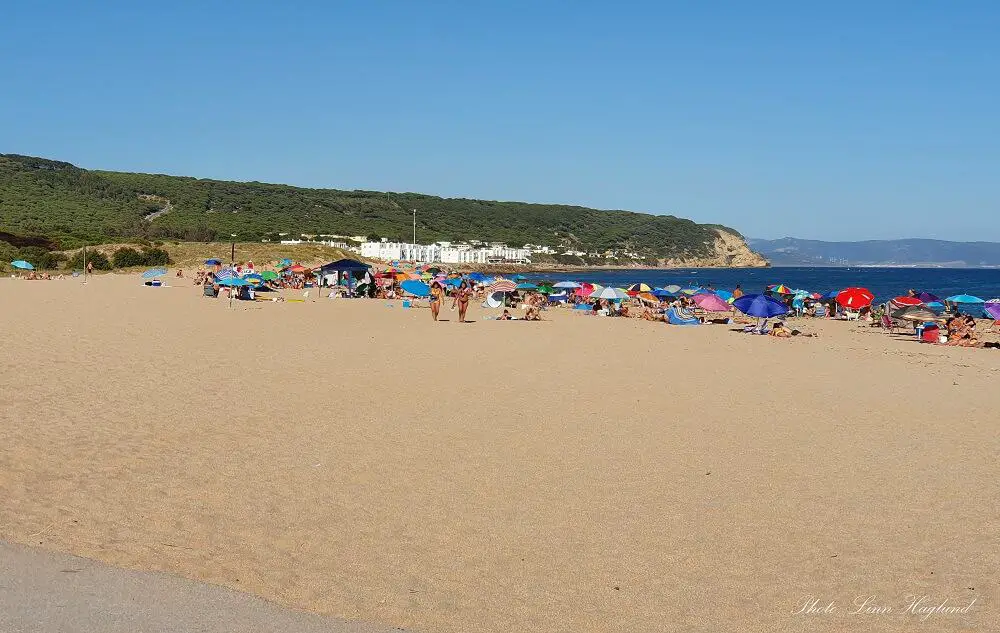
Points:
[97,258]
[127,256]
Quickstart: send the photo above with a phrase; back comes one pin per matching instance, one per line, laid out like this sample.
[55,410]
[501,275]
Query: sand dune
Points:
[580,474]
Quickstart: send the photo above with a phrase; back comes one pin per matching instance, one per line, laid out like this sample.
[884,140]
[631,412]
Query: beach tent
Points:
[349,266]
[674,317]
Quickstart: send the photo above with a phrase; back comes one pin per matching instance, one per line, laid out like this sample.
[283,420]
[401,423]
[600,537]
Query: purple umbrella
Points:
[926,297]
[993,309]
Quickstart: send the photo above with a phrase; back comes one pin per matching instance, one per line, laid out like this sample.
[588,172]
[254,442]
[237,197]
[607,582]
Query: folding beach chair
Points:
[888,324]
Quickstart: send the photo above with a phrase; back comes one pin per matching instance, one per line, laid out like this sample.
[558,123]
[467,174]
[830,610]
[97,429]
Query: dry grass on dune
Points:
[579,474]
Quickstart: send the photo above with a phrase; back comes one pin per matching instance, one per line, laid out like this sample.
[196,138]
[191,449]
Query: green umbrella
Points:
[546,289]
[269,275]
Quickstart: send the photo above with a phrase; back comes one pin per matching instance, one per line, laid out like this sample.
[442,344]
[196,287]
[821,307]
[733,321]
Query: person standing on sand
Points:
[462,296]
[90,268]
[737,292]
[436,297]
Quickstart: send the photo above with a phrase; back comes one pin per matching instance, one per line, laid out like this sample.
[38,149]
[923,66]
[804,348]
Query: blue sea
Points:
[885,283]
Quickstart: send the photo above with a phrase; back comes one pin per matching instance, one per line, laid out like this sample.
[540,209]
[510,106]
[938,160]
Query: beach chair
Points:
[888,324]
[209,291]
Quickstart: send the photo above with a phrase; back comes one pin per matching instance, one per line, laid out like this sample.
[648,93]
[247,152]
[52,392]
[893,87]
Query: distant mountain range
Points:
[789,251]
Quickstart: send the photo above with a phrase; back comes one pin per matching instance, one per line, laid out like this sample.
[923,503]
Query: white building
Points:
[445,252]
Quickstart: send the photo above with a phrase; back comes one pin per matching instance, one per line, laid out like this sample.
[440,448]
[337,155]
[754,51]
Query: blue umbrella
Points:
[478,277]
[660,293]
[233,281]
[760,306]
[831,295]
[213,262]
[454,283]
[416,288]
[23,265]
[725,295]
[152,273]
[964,299]
[518,277]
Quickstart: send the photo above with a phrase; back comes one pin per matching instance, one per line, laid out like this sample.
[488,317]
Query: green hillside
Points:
[70,206]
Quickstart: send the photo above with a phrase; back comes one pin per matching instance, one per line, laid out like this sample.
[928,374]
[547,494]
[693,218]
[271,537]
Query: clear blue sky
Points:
[849,120]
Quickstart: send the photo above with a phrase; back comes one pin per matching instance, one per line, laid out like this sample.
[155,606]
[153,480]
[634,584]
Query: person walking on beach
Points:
[437,292]
[462,296]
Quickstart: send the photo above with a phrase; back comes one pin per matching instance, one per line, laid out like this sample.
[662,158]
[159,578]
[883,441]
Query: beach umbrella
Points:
[926,297]
[299,269]
[502,285]
[434,270]
[781,289]
[152,273]
[546,289]
[254,279]
[697,290]
[914,313]
[936,306]
[23,265]
[993,310]
[661,293]
[613,294]
[712,303]
[725,295]
[639,287]
[526,286]
[587,290]
[566,284]
[415,288]
[855,297]
[673,289]
[269,275]
[518,277]
[480,277]
[454,283]
[213,261]
[225,273]
[760,306]
[831,295]
[907,301]
[233,282]
[647,296]
[964,299]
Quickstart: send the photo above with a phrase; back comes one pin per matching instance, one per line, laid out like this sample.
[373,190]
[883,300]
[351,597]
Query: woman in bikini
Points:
[437,292]
[462,296]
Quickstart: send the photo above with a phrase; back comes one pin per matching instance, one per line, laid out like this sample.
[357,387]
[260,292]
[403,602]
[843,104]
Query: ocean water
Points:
[885,283]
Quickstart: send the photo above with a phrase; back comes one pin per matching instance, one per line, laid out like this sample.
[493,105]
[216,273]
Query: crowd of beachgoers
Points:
[949,321]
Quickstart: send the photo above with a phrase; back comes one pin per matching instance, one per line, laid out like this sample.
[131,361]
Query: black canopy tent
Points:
[344,266]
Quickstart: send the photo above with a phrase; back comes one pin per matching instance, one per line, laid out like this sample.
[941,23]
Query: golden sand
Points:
[580,474]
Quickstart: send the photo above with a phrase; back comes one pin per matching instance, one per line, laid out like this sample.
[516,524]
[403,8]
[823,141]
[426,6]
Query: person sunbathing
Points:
[505,316]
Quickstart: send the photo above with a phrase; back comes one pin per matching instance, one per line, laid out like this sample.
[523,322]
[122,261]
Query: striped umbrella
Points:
[614,294]
[502,285]
[640,287]
[781,289]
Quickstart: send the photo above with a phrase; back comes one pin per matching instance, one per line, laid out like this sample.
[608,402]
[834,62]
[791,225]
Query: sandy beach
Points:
[580,474]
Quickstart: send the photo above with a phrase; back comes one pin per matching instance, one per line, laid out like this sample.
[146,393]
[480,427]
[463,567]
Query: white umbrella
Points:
[616,294]
[567,284]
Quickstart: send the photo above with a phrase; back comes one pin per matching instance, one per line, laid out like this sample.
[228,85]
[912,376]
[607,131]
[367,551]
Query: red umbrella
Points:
[855,297]
[907,301]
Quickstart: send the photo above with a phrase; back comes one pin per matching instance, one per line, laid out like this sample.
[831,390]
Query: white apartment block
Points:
[444,252]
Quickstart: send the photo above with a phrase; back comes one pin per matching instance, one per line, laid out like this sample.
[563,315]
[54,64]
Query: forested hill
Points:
[69,206]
